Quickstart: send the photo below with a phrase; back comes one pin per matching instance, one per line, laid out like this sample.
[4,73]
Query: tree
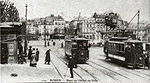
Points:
[9,12]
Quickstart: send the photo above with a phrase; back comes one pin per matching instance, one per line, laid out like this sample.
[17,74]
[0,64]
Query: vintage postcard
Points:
[75,41]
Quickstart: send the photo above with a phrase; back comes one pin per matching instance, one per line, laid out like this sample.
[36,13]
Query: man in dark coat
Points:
[48,43]
[20,48]
[71,65]
[37,54]
[127,53]
[134,56]
[53,43]
[106,49]
[30,52]
[47,58]
[62,45]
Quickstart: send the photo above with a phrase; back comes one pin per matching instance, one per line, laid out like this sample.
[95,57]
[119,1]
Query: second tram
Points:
[127,50]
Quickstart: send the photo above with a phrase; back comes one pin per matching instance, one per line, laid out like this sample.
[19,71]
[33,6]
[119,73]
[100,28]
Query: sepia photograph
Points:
[75,41]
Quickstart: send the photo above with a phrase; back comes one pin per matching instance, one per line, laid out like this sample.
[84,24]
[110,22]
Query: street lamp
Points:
[45,32]
[25,47]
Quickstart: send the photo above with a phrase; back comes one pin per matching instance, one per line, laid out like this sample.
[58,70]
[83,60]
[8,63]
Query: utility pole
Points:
[45,32]
[78,25]
[25,47]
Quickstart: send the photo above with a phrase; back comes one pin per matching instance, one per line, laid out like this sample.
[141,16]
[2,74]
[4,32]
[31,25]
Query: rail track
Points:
[56,51]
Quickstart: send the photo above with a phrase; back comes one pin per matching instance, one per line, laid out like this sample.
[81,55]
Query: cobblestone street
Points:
[95,70]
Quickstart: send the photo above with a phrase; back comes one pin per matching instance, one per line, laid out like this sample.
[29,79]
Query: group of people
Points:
[33,56]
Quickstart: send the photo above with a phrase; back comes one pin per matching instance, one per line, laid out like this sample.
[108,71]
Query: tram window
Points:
[115,47]
[84,44]
[74,45]
[122,47]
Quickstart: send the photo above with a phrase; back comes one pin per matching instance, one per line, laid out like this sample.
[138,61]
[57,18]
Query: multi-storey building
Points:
[49,26]
[139,31]
[107,23]
[89,28]
[147,34]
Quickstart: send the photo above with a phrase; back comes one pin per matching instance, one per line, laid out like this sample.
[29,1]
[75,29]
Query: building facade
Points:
[50,26]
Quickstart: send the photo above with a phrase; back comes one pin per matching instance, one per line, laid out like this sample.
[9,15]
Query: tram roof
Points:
[134,41]
[119,38]
[117,42]
[79,39]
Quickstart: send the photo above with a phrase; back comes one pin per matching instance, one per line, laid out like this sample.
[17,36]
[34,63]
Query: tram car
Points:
[127,50]
[77,48]
[148,47]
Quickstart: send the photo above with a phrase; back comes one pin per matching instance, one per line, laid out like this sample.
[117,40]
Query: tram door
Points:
[4,53]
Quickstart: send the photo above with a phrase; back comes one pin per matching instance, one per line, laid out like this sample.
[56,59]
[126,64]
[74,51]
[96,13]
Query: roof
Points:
[5,26]
[134,41]
[119,38]
[117,42]
[11,23]
[79,39]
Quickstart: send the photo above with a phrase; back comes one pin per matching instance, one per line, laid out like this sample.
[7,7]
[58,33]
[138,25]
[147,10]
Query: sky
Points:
[71,8]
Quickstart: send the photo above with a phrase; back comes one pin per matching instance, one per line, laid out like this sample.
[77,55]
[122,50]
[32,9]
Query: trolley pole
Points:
[25,47]
[138,24]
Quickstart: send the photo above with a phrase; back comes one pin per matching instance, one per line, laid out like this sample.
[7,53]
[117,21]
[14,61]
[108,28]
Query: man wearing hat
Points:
[71,65]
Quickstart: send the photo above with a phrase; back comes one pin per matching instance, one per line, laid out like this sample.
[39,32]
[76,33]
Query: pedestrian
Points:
[21,58]
[30,52]
[47,58]
[106,49]
[48,43]
[62,45]
[71,64]
[37,54]
[147,59]
[20,48]
[127,53]
[53,43]
[134,56]
[33,62]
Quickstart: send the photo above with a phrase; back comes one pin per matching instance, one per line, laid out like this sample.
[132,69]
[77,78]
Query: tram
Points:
[127,50]
[77,48]
[148,47]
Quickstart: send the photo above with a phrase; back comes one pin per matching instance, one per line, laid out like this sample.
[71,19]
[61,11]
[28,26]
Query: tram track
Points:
[103,71]
[95,78]
[66,65]
[128,71]
[136,73]
[57,69]
[109,70]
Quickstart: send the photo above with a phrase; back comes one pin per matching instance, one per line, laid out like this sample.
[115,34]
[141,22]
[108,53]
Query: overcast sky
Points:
[70,8]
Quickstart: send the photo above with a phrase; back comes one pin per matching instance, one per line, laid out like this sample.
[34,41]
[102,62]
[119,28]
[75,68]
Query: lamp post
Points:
[45,33]
[25,47]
